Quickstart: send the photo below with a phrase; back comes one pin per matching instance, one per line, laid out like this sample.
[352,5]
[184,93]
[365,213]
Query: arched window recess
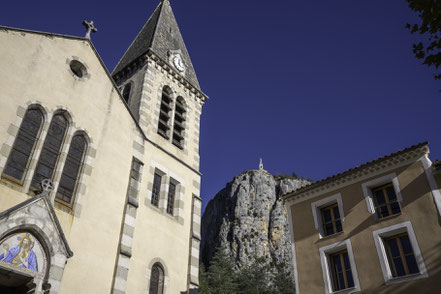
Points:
[126,92]
[157,279]
[72,169]
[24,145]
[51,150]
[165,113]
[179,123]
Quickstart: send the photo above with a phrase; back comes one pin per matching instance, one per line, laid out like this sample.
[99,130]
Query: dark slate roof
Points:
[159,34]
[324,181]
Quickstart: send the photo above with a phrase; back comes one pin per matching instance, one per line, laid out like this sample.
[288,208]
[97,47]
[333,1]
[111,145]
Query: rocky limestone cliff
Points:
[248,220]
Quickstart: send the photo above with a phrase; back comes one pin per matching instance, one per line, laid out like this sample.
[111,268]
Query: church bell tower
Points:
[158,82]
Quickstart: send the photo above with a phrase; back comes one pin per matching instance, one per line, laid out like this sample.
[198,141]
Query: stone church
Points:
[99,171]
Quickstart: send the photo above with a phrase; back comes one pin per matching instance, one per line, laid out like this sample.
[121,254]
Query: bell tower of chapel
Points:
[159,85]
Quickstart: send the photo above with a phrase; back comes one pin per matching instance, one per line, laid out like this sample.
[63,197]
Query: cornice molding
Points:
[151,58]
[355,175]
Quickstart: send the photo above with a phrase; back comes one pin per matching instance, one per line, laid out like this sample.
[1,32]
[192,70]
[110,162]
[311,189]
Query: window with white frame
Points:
[328,215]
[399,254]
[383,196]
[339,270]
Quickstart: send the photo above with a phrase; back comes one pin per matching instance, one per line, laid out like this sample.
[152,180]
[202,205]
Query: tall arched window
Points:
[71,170]
[179,123]
[157,279]
[51,150]
[164,113]
[126,92]
[21,152]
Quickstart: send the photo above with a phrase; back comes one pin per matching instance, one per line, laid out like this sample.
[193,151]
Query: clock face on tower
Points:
[178,62]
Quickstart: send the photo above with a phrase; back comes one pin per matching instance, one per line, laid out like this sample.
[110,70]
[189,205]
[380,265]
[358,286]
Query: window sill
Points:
[345,291]
[163,212]
[387,217]
[407,278]
[60,205]
[12,184]
[329,237]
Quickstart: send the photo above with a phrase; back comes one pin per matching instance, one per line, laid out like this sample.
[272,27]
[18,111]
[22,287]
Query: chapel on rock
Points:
[99,171]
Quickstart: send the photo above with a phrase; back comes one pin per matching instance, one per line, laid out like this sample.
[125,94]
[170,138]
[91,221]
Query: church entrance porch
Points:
[13,282]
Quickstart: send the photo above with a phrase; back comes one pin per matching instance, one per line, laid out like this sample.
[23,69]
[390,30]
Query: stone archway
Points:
[34,226]
[23,263]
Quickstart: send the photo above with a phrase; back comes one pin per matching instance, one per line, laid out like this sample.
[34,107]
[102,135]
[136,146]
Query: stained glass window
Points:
[24,144]
[71,170]
[156,280]
[51,150]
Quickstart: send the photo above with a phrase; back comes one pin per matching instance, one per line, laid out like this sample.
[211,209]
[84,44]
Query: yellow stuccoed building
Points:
[100,181]
[372,229]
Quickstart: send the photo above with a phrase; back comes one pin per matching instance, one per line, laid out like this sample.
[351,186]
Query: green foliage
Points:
[220,277]
[203,280]
[283,281]
[429,11]
[254,279]
[258,278]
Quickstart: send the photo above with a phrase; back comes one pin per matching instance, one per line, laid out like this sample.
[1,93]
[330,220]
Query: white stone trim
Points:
[194,251]
[324,260]
[368,186]
[427,164]
[293,247]
[319,204]
[167,171]
[194,271]
[405,227]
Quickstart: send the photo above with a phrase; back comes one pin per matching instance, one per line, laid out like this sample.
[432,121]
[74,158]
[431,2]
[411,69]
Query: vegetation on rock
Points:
[257,278]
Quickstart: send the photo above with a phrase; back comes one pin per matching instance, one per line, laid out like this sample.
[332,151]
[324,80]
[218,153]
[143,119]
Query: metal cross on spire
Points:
[90,28]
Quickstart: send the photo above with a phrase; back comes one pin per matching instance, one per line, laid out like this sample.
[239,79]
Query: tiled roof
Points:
[350,171]
[159,34]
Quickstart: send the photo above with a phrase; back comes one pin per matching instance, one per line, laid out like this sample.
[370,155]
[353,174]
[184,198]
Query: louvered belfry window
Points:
[24,144]
[71,170]
[164,113]
[179,123]
[126,92]
[156,280]
[51,150]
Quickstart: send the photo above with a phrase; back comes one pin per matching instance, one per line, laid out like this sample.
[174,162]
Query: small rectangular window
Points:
[156,189]
[339,268]
[331,219]
[385,200]
[400,255]
[171,198]
[341,271]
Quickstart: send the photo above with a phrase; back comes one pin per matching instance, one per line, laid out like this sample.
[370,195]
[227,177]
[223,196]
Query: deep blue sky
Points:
[314,87]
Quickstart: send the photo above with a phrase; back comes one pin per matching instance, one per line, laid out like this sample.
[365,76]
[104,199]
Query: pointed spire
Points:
[161,35]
